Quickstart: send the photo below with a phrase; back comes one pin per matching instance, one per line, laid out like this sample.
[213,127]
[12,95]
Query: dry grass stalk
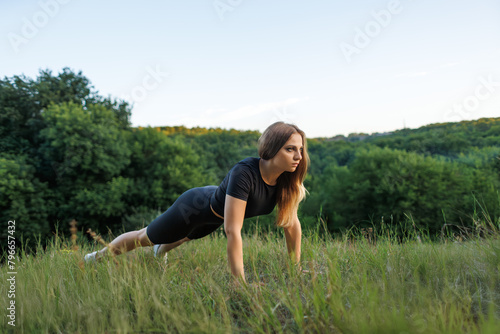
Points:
[73,231]
[97,237]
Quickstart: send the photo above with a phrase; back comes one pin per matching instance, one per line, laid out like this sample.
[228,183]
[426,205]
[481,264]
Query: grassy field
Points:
[353,286]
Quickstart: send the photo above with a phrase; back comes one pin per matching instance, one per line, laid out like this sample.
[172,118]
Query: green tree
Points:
[87,151]
[162,168]
[18,107]
[395,185]
[23,101]
[22,198]
[218,149]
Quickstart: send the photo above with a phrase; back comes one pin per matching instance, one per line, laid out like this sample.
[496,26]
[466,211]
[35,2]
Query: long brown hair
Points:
[291,190]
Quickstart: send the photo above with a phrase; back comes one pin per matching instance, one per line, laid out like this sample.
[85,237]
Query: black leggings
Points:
[190,216]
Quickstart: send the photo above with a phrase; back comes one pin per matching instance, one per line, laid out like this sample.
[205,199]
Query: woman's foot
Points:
[156,249]
[91,257]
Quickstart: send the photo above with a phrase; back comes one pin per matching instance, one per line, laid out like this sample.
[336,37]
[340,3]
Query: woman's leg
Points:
[126,242]
[164,248]
[172,228]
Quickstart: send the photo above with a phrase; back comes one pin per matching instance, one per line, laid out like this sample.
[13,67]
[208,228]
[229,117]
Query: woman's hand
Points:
[300,270]
[257,285]
[240,284]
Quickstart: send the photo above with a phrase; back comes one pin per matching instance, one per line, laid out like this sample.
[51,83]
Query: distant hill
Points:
[435,138]
[447,139]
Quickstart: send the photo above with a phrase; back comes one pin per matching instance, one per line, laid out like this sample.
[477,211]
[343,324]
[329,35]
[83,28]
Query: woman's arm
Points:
[234,213]
[293,235]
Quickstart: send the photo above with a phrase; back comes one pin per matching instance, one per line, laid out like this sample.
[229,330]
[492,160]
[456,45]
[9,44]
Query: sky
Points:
[331,67]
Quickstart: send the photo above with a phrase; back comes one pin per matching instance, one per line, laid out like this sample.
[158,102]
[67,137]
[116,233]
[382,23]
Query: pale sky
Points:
[331,67]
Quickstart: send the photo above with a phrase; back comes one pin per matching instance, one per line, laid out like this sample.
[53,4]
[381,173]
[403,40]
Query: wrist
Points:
[238,280]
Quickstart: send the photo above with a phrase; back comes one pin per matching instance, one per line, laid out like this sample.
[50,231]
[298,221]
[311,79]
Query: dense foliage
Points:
[68,153]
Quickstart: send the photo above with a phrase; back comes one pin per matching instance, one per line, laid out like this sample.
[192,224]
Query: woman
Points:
[254,186]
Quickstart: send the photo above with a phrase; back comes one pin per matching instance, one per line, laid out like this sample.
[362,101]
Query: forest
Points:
[66,152]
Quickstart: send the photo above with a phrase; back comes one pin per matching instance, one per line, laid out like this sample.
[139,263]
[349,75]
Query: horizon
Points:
[309,137]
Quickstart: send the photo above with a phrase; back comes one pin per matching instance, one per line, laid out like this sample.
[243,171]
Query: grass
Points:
[353,286]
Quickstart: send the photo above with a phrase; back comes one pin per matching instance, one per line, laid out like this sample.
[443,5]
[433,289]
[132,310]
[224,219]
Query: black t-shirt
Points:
[245,182]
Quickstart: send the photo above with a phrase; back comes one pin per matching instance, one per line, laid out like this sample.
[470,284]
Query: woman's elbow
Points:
[294,231]
[232,232]
[298,228]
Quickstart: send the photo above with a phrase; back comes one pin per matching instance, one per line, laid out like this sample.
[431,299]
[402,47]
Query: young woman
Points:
[253,187]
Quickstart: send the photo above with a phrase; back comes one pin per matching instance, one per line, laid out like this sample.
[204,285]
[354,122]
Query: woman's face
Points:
[289,156]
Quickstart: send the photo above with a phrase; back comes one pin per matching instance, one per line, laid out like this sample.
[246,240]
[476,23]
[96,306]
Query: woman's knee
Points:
[143,239]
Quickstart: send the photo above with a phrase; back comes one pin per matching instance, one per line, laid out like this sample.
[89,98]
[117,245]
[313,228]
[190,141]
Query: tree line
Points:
[66,152]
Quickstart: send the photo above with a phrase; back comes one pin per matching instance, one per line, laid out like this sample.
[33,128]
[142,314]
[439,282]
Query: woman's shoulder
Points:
[249,161]
[249,165]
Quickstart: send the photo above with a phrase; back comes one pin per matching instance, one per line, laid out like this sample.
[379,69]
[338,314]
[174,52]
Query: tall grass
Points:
[354,285]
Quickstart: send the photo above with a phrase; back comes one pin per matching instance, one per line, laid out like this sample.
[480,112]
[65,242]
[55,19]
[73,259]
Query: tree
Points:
[23,101]
[396,185]
[162,168]
[22,198]
[86,150]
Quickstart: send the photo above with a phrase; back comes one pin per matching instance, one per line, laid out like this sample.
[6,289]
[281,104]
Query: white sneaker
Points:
[91,257]
[155,251]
